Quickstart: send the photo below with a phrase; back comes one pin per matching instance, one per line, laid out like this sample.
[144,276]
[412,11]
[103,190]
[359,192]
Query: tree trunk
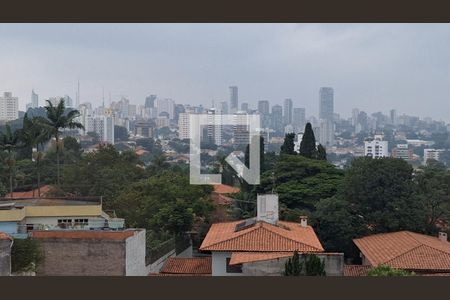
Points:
[57,160]
[10,182]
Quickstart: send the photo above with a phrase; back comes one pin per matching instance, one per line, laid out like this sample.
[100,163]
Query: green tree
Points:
[26,255]
[308,143]
[432,190]
[288,144]
[380,191]
[56,121]
[321,152]
[384,271]
[314,266]
[293,266]
[9,143]
[301,182]
[34,135]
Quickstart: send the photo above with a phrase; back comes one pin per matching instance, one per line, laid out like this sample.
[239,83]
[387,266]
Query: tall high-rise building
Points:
[393,117]
[150,101]
[234,99]
[326,135]
[277,118]
[287,111]
[264,112]
[355,114]
[183,126]
[166,106]
[34,99]
[326,103]
[9,107]
[264,107]
[299,119]
[68,101]
[223,107]
[241,128]
[244,106]
[214,128]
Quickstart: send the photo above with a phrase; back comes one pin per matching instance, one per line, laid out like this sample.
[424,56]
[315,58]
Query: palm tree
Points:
[10,142]
[34,135]
[56,121]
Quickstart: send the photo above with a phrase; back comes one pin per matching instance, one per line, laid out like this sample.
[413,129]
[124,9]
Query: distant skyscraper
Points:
[234,100]
[167,106]
[150,101]
[277,118]
[355,114]
[287,111]
[223,107]
[244,106]
[376,148]
[9,107]
[68,101]
[393,117]
[77,98]
[326,103]
[241,128]
[34,99]
[326,135]
[264,111]
[299,119]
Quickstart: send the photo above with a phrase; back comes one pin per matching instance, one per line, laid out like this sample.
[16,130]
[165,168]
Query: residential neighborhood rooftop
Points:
[195,266]
[261,237]
[84,234]
[406,250]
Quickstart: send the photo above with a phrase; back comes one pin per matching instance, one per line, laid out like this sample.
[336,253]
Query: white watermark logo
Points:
[251,173]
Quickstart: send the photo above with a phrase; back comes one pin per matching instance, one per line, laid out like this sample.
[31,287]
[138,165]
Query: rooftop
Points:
[261,237]
[4,236]
[406,250]
[225,189]
[187,266]
[84,234]
[50,201]
[356,270]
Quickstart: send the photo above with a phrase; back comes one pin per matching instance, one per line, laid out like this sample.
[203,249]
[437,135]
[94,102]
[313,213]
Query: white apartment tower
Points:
[376,148]
[9,107]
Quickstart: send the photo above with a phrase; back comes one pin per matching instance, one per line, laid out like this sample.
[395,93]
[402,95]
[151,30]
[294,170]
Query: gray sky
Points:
[374,67]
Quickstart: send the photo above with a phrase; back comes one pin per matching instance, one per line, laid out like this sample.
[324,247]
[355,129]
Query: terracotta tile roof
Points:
[29,194]
[4,236]
[225,189]
[187,266]
[246,257]
[356,270]
[262,236]
[406,250]
[83,234]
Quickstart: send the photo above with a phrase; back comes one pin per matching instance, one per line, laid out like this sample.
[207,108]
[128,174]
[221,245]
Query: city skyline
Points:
[373,67]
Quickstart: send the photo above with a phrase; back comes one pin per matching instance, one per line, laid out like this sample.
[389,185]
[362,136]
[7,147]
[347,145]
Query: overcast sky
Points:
[374,67]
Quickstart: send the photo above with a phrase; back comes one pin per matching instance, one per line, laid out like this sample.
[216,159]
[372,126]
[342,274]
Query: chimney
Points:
[442,236]
[267,208]
[303,221]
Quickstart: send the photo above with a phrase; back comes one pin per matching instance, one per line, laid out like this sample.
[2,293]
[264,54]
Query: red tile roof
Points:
[83,234]
[406,250]
[246,257]
[187,266]
[29,194]
[356,270]
[261,237]
[225,189]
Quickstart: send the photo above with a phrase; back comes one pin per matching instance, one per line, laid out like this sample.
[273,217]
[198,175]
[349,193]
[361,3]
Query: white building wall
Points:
[9,107]
[135,254]
[219,264]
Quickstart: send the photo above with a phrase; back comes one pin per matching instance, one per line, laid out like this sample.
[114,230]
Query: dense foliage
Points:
[384,271]
[26,255]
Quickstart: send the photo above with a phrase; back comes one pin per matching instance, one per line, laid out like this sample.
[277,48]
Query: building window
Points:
[233,268]
[64,223]
[81,222]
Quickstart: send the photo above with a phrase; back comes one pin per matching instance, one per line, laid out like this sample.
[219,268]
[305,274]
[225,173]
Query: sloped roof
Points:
[187,266]
[406,250]
[246,257]
[225,189]
[29,194]
[261,237]
[356,270]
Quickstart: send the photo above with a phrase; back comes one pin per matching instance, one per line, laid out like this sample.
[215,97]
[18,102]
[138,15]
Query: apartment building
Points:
[9,107]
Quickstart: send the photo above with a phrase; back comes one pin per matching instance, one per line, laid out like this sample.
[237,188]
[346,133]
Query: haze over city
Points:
[375,67]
